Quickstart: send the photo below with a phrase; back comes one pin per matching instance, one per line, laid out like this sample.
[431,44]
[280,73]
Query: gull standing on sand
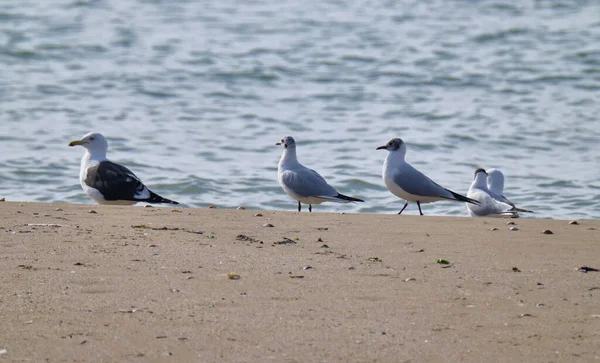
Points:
[304,184]
[495,184]
[107,182]
[488,206]
[408,183]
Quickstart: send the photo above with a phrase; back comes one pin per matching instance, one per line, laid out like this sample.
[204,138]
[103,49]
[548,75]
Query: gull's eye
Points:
[92,138]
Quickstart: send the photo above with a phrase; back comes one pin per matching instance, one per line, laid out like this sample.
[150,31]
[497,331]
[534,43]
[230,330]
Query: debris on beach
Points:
[258,215]
[212,207]
[516,269]
[374,259]
[268,225]
[325,246]
[241,208]
[513,229]
[285,241]
[92,212]
[410,279]
[307,267]
[442,261]
[128,311]
[587,269]
[510,223]
[241,237]
[526,315]
[493,229]
[233,276]
[574,222]
[547,231]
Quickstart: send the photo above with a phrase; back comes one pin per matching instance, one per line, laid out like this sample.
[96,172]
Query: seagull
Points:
[495,183]
[304,184]
[408,183]
[488,205]
[107,182]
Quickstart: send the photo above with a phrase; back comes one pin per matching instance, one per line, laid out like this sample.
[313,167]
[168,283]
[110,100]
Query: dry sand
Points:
[84,287]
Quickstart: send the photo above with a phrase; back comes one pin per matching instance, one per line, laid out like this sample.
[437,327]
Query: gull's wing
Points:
[414,182]
[488,206]
[307,183]
[115,182]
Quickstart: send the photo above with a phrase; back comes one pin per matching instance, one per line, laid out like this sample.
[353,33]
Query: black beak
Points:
[381,148]
[278,144]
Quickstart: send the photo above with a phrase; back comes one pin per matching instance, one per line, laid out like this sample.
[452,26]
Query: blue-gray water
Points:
[193,95]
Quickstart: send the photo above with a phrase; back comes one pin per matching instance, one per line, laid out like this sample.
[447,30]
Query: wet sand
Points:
[135,284]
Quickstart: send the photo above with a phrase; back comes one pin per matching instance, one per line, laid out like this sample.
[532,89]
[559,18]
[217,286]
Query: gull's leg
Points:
[403,208]
[419,205]
[310,207]
[299,207]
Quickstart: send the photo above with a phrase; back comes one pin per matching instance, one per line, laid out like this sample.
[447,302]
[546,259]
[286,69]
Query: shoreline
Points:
[150,284]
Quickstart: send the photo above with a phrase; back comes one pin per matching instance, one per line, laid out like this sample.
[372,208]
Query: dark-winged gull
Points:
[408,183]
[495,184]
[107,182]
[303,184]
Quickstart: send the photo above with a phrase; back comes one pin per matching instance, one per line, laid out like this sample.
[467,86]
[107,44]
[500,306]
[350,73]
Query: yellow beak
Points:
[75,143]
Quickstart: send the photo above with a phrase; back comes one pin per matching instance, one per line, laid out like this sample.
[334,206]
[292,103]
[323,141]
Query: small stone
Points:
[526,314]
[574,222]
[148,206]
[93,212]
[152,245]
[410,279]
[307,267]
[510,223]
[513,229]
[268,225]
[319,239]
[516,269]
[241,208]
[493,229]
[540,305]
[547,231]
[58,209]
[258,215]
[212,207]
[233,276]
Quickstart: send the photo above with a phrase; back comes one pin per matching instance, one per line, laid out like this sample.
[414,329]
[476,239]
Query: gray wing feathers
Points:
[307,183]
[414,182]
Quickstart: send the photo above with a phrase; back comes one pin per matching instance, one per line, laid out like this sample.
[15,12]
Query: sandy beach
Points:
[136,284]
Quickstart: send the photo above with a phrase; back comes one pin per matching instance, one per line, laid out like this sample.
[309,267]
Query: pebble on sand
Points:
[547,231]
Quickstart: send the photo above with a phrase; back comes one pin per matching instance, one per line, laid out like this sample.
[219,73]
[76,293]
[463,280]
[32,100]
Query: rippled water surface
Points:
[193,95]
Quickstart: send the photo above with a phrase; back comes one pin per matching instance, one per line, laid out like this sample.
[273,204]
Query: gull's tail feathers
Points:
[155,198]
[462,198]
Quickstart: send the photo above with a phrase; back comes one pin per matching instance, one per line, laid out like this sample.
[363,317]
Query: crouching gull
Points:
[495,184]
[107,182]
[489,206]
[408,183]
[304,184]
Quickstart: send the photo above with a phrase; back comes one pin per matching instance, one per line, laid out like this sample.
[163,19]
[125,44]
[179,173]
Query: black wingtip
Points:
[345,197]
[462,198]
[155,198]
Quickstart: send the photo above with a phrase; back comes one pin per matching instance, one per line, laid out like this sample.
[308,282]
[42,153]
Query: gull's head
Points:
[480,172]
[93,141]
[287,142]
[393,145]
